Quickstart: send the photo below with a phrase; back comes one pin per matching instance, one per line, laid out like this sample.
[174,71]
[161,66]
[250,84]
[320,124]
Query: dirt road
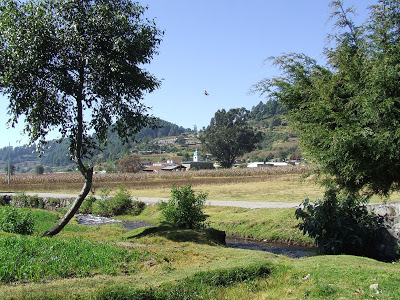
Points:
[147,200]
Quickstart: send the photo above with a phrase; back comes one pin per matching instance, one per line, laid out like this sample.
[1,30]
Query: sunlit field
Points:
[275,184]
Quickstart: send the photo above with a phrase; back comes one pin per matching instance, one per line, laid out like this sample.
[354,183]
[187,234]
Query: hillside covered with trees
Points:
[169,140]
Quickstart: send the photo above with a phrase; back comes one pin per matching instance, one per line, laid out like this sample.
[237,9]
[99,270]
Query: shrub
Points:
[5,200]
[137,207]
[101,208]
[87,205]
[24,200]
[339,224]
[14,221]
[112,206]
[121,202]
[39,170]
[185,209]
[53,202]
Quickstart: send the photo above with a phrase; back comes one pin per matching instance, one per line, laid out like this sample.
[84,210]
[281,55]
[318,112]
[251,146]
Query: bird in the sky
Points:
[206,93]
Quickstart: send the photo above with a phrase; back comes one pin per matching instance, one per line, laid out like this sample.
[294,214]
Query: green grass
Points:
[202,285]
[29,259]
[163,262]
[267,224]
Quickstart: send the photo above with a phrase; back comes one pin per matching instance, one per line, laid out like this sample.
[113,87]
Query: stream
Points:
[292,251]
[93,220]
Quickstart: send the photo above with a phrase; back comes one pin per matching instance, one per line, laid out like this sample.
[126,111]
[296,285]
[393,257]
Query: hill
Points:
[168,142]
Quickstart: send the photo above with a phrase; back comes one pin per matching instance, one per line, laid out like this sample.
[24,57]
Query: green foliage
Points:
[184,208]
[12,167]
[197,286]
[137,207]
[229,136]
[347,112]
[101,208]
[121,202]
[16,221]
[107,206]
[87,205]
[28,259]
[5,200]
[339,224]
[24,200]
[97,43]
[39,170]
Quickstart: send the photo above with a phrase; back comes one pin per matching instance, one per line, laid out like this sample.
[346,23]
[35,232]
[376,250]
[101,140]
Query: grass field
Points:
[165,263]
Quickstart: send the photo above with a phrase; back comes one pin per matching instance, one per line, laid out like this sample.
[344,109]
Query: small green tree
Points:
[184,208]
[229,136]
[130,164]
[12,169]
[39,170]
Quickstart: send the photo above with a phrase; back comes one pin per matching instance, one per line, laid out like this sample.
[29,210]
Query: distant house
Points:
[153,169]
[164,167]
[266,164]
[196,163]
[175,168]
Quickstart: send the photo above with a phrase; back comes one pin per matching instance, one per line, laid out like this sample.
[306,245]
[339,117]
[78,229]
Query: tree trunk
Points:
[74,208]
[86,172]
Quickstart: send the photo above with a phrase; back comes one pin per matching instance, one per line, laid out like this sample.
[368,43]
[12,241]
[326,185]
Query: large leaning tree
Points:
[347,111]
[229,136]
[76,66]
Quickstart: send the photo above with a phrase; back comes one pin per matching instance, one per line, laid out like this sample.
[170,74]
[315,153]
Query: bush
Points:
[87,205]
[101,208]
[339,224]
[117,205]
[185,209]
[54,202]
[5,200]
[24,200]
[39,170]
[137,207]
[14,221]
[121,202]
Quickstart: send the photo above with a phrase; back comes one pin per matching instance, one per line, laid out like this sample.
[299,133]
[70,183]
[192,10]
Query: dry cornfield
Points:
[74,181]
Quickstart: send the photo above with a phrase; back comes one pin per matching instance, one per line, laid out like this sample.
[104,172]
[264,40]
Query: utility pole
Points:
[9,164]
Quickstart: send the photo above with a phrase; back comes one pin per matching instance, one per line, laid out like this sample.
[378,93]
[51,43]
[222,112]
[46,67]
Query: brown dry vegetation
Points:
[74,181]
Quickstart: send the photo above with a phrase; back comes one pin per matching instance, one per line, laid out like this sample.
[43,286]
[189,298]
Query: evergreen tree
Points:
[347,112]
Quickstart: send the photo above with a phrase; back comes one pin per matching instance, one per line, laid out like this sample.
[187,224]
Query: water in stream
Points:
[233,242]
[96,220]
[293,251]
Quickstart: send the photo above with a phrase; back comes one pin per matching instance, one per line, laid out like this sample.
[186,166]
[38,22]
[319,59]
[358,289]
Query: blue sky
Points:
[220,46]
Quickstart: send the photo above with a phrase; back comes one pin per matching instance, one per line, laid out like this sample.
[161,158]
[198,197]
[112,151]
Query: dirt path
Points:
[147,200]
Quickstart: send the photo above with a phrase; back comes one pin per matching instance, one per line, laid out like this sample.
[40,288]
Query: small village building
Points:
[175,168]
[196,163]
[267,164]
[153,169]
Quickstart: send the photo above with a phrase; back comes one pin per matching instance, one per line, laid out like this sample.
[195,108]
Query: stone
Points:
[374,287]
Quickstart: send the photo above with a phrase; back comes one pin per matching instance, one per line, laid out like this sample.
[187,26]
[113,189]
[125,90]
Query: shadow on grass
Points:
[208,236]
